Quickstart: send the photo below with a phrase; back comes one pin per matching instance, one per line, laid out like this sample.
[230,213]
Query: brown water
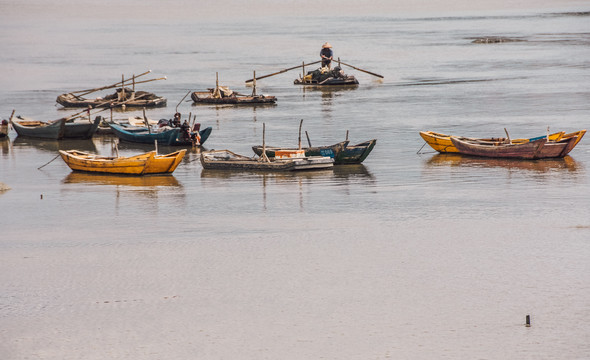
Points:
[407,256]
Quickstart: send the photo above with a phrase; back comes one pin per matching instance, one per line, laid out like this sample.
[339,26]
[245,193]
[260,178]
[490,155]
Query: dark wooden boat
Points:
[536,148]
[213,97]
[127,96]
[332,151]
[71,129]
[355,154]
[228,160]
[39,129]
[335,77]
[123,96]
[164,136]
[223,95]
[342,152]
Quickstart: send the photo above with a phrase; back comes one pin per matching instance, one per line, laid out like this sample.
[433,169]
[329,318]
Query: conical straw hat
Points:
[326,45]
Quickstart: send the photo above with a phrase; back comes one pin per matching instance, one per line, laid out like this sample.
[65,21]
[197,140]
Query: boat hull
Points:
[443,144]
[202,97]
[42,130]
[143,164]
[355,154]
[70,101]
[332,151]
[171,137]
[227,160]
[528,150]
[81,161]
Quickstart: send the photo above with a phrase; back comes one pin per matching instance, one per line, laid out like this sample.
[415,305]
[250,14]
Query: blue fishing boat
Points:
[165,136]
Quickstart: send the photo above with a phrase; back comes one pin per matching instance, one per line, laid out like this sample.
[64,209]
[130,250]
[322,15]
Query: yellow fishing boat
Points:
[442,142]
[165,164]
[148,163]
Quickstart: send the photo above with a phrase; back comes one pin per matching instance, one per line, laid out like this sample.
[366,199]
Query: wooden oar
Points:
[282,71]
[180,102]
[115,104]
[88,91]
[365,71]
[119,84]
[10,120]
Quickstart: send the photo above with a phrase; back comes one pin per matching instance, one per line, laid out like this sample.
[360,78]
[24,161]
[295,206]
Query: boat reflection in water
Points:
[148,181]
[54,146]
[356,172]
[540,165]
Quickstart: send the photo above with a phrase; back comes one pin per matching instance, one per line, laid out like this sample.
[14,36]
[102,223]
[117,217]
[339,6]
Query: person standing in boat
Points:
[326,54]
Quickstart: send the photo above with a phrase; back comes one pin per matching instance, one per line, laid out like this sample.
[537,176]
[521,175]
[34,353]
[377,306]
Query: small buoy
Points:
[528,321]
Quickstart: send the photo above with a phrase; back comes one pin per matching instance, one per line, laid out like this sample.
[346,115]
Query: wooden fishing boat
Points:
[342,152]
[332,151]
[130,97]
[355,154]
[39,129]
[164,136]
[58,129]
[122,97]
[536,148]
[219,96]
[223,95]
[326,77]
[148,163]
[443,144]
[228,160]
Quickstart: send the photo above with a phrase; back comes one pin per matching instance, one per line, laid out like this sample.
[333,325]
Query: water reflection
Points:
[327,92]
[354,172]
[54,145]
[151,181]
[5,146]
[541,165]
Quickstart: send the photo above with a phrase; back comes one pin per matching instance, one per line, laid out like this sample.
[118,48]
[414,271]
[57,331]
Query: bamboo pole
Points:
[282,71]
[147,123]
[110,87]
[264,157]
[106,87]
[254,84]
[122,95]
[10,119]
[303,71]
[308,141]
[365,71]
[181,100]
[300,124]
[77,115]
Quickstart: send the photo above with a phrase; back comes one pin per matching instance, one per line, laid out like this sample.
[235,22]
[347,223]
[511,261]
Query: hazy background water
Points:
[407,256]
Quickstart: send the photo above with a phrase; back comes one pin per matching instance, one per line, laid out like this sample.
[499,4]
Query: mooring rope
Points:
[39,168]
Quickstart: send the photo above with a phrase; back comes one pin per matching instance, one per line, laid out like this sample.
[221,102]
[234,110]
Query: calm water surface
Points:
[407,256]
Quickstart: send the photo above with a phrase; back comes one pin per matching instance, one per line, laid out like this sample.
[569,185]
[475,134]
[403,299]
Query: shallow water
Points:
[406,256]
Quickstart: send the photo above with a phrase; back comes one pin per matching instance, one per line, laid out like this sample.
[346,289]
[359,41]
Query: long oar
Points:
[118,84]
[88,91]
[365,71]
[282,71]
[180,102]
[115,104]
